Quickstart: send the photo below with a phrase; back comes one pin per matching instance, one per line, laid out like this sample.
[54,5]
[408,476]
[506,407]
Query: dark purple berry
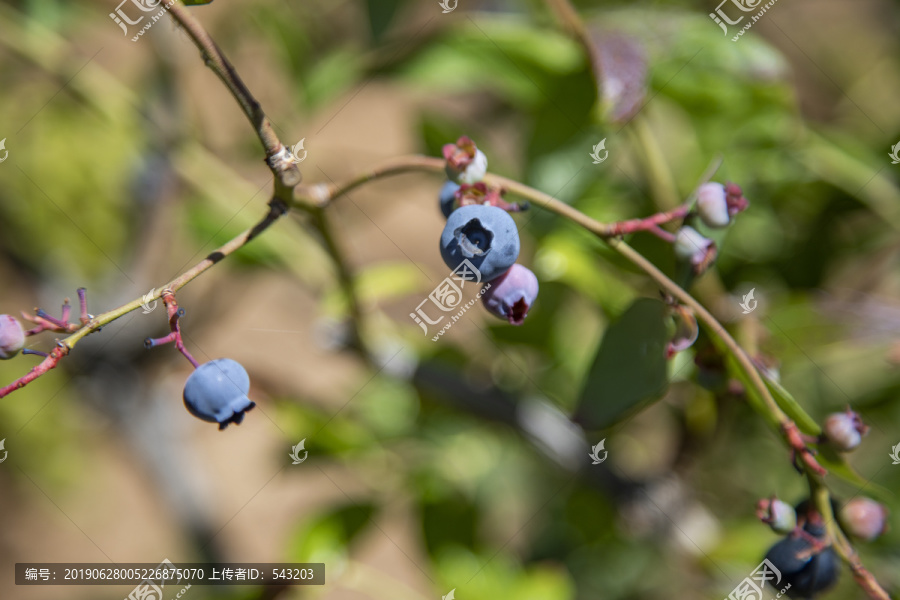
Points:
[217,392]
[12,337]
[484,235]
[511,295]
[448,197]
[806,570]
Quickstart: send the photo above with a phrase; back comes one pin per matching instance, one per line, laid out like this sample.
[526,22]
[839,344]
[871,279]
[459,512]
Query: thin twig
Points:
[286,172]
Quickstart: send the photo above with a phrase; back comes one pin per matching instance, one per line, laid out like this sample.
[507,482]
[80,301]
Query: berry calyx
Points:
[12,337]
[734,197]
[486,236]
[480,193]
[864,518]
[844,430]
[465,162]
[217,392]
[511,295]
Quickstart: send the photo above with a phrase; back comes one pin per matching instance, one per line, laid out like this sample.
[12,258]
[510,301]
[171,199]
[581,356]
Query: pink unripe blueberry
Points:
[864,518]
[844,430]
[712,205]
[465,162]
[778,515]
[511,295]
[691,246]
[12,337]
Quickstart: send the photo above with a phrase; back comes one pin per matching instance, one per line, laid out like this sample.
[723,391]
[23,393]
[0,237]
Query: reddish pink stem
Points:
[82,301]
[175,315]
[48,363]
[798,446]
[648,223]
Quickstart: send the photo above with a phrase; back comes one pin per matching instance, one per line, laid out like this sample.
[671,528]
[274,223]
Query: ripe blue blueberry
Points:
[512,294]
[448,197]
[217,392]
[12,337]
[808,572]
[484,235]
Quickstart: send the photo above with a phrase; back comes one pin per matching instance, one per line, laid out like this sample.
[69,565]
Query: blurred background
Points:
[448,465]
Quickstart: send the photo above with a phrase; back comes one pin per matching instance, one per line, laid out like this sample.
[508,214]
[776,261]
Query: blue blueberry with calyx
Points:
[448,197]
[217,392]
[484,235]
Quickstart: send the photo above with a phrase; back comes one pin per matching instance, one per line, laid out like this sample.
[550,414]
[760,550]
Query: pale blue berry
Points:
[448,197]
[217,392]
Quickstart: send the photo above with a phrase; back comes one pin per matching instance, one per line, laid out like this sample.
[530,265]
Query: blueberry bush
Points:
[675,364]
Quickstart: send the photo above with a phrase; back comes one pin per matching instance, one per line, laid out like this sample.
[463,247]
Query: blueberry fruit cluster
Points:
[217,392]
[716,207]
[480,230]
[805,556]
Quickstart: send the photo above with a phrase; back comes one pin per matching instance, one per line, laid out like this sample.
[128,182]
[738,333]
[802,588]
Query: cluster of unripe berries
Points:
[716,206]
[805,556]
[480,230]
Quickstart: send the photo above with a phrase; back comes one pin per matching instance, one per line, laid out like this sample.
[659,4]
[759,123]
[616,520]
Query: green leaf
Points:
[837,465]
[381,14]
[630,368]
[792,408]
[196,2]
